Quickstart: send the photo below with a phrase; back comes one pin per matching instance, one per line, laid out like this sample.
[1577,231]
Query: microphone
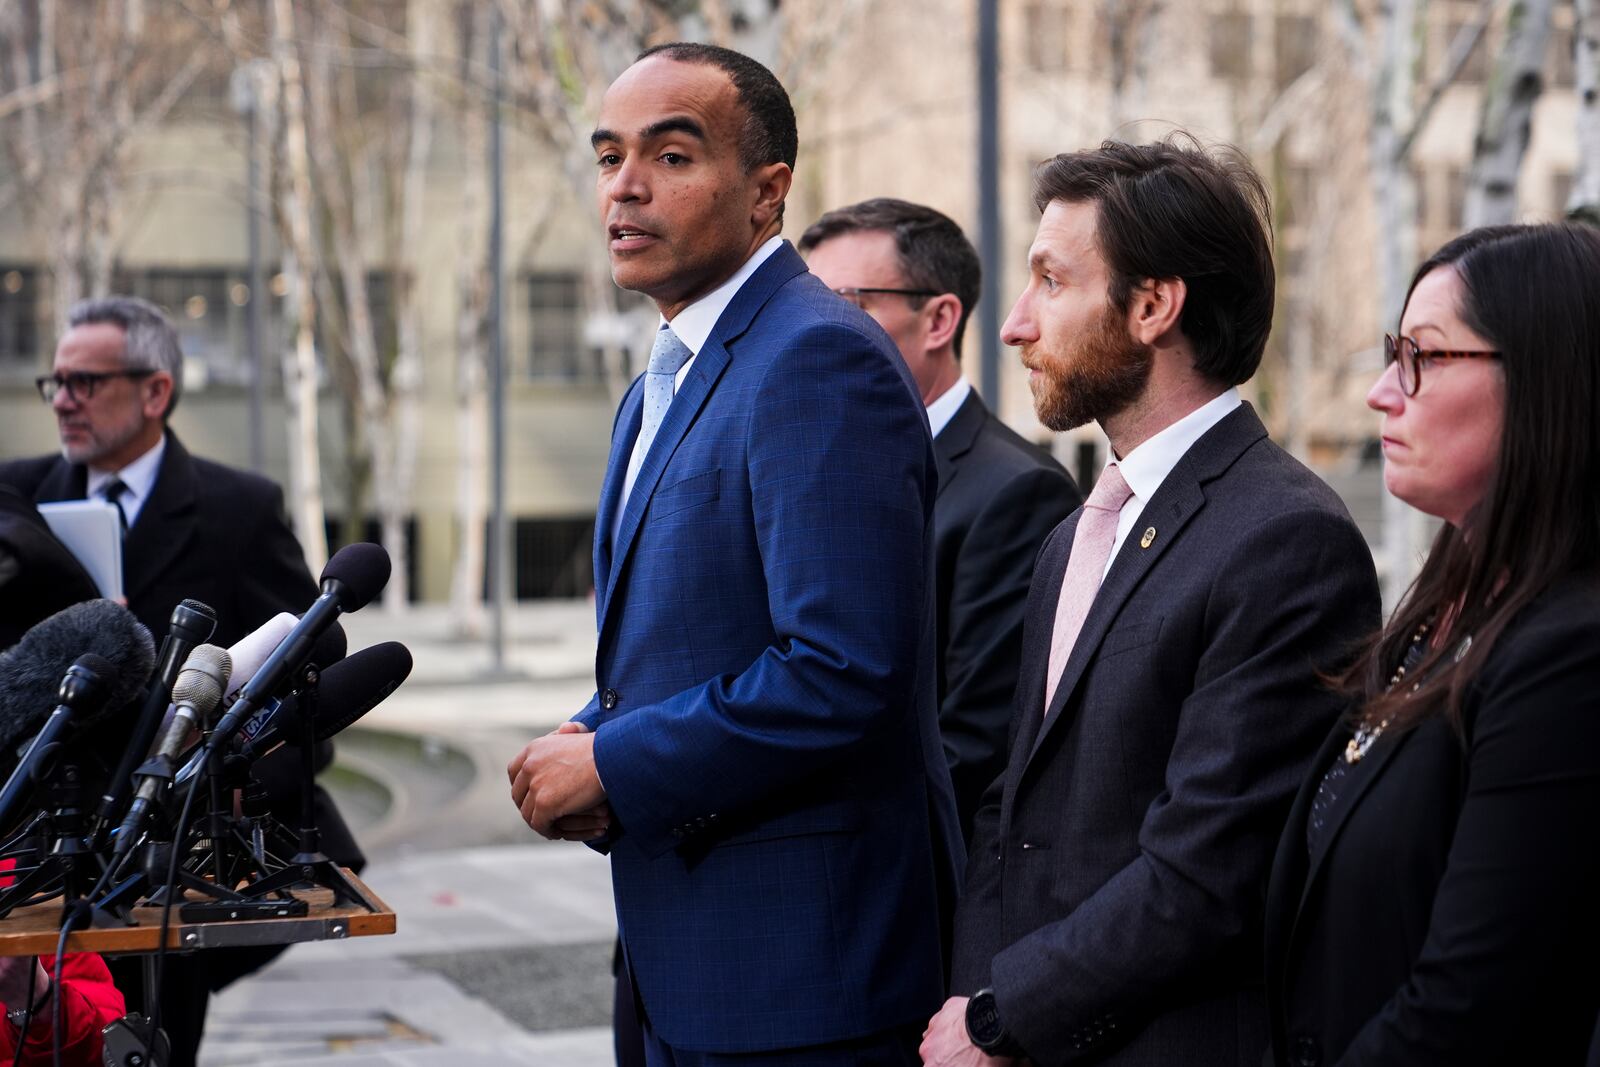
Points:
[30,672]
[83,694]
[354,575]
[347,691]
[197,691]
[191,623]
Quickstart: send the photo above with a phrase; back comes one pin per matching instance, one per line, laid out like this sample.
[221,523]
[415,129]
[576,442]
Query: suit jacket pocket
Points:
[686,493]
[829,818]
[1128,638]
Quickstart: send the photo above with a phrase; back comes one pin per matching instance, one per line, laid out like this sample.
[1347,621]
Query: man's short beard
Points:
[1103,374]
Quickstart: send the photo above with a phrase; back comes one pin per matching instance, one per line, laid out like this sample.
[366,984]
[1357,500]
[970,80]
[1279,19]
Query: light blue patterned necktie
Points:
[667,357]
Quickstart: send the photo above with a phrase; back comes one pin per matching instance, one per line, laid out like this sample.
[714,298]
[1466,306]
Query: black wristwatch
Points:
[986,1030]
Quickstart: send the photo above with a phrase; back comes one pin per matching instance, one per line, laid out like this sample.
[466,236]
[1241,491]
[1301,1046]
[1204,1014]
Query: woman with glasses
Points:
[1436,894]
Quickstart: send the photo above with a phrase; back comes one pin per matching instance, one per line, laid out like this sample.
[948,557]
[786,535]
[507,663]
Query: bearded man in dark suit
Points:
[1169,702]
[913,270]
[192,529]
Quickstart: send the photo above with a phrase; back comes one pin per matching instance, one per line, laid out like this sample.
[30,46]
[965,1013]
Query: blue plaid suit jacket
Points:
[765,725]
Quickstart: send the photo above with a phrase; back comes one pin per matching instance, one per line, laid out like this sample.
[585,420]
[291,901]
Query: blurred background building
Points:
[330,166]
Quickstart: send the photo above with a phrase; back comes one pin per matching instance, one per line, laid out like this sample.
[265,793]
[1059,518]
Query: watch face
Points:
[983,1021]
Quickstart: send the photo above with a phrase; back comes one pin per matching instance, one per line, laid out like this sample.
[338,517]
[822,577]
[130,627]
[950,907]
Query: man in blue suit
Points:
[761,759]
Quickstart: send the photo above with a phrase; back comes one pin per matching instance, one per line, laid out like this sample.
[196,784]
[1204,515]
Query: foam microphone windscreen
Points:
[362,569]
[31,671]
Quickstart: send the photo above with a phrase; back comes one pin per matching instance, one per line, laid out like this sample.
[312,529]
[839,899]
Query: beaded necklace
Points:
[1365,736]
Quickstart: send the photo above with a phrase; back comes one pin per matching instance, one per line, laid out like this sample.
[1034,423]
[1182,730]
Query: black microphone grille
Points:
[362,569]
[194,621]
[360,683]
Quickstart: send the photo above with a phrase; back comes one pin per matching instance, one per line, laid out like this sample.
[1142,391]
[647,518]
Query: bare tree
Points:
[353,157]
[299,261]
[472,326]
[1584,202]
[1505,122]
[78,83]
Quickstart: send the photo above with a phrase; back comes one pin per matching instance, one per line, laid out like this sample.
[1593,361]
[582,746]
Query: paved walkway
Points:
[504,944]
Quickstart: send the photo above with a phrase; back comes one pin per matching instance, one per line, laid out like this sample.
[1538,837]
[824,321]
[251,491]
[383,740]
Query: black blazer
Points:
[1115,883]
[999,497]
[1453,916]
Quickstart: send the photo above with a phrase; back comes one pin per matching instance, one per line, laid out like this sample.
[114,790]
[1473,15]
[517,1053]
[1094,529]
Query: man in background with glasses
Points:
[914,271]
[191,528]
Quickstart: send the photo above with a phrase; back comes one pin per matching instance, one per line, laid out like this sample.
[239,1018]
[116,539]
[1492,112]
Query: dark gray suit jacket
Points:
[1114,891]
[999,498]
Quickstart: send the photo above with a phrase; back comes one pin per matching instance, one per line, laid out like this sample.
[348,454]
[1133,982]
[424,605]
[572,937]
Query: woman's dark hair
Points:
[1172,209]
[1530,292]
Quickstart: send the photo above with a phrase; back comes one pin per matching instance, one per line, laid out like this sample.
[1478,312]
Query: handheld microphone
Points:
[347,691]
[191,623]
[82,694]
[354,575]
[197,691]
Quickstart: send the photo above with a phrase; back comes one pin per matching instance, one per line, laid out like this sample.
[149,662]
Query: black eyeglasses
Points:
[80,385]
[854,293]
[1410,356]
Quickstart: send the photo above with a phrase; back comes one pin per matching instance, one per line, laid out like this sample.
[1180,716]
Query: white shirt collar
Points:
[1147,466]
[139,476]
[947,403]
[694,324]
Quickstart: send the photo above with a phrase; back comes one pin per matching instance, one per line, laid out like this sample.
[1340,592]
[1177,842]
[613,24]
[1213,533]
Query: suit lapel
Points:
[629,419]
[956,439]
[163,530]
[1377,759]
[709,364]
[1285,886]
[1169,511]
[1175,503]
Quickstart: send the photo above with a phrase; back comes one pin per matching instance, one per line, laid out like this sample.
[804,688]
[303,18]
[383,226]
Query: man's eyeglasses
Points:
[854,293]
[1404,350]
[80,385]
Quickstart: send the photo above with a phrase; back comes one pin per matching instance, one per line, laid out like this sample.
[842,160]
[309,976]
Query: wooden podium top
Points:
[34,931]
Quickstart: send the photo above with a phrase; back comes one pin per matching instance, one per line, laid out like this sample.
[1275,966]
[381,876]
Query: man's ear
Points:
[1156,308]
[944,315]
[156,396]
[771,183]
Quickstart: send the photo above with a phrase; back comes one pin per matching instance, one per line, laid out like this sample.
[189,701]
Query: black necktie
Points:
[113,491]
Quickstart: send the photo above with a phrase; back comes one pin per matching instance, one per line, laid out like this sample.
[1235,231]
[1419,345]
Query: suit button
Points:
[608,699]
[677,831]
[1306,1053]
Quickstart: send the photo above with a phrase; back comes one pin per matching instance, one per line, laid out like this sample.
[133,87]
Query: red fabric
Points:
[89,1000]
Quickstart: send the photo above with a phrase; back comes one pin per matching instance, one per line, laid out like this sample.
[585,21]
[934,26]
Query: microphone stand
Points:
[309,867]
[60,838]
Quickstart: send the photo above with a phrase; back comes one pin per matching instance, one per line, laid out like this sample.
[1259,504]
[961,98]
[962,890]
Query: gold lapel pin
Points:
[1149,537]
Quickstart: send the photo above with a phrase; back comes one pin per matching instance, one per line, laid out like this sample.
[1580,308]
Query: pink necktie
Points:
[1091,547]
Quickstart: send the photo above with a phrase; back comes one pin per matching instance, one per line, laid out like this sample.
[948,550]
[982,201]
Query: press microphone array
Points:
[179,819]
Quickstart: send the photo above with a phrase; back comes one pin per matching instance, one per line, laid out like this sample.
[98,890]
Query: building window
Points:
[20,335]
[551,558]
[1229,45]
[210,310]
[1047,29]
[1294,48]
[335,529]
[554,306]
